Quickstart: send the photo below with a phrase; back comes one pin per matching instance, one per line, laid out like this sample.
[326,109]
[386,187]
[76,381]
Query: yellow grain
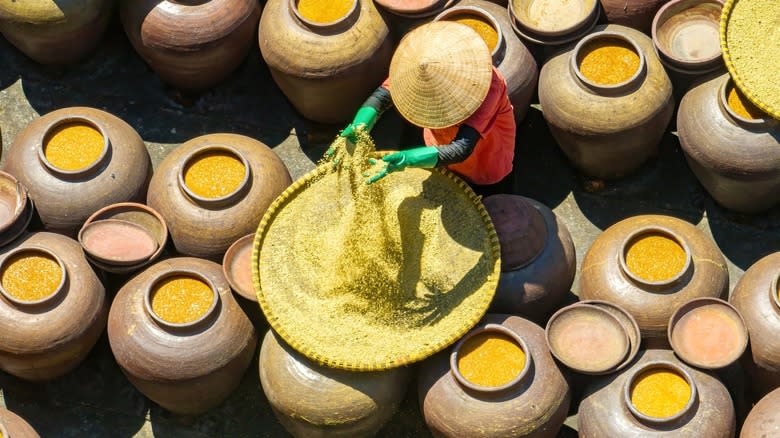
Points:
[490,359]
[214,174]
[609,62]
[74,146]
[485,30]
[31,277]
[742,106]
[181,299]
[660,393]
[655,257]
[324,11]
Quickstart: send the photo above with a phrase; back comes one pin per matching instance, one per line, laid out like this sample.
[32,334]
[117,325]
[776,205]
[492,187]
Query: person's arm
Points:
[373,108]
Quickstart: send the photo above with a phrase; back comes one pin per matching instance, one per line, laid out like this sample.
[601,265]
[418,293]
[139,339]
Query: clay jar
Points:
[607,131]
[64,199]
[511,57]
[534,404]
[607,410]
[763,418]
[16,209]
[187,368]
[14,426]
[730,155]
[538,261]
[686,36]
[206,227]
[46,338]
[605,274]
[756,298]
[55,31]
[312,400]
[553,23]
[637,14]
[326,70]
[191,44]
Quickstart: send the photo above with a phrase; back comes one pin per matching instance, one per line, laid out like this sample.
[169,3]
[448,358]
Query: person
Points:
[442,79]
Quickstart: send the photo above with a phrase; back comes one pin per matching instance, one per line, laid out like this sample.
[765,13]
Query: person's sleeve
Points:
[380,100]
[460,148]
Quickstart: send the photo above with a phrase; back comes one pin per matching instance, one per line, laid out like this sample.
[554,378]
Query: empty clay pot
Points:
[533,404]
[187,368]
[553,22]
[730,155]
[326,70]
[607,409]
[686,36]
[605,274]
[314,401]
[637,14]
[65,198]
[48,337]
[764,418]
[55,31]
[14,426]
[237,267]
[607,131]
[206,227]
[538,261]
[16,208]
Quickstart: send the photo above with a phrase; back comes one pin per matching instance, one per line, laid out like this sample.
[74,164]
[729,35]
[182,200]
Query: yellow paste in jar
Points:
[660,393]
[490,359]
[214,174]
[742,106]
[655,257]
[31,276]
[324,11]
[180,299]
[485,30]
[609,62]
[73,146]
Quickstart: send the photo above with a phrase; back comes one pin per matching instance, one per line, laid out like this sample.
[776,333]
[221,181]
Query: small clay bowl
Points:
[411,7]
[117,242]
[587,339]
[16,210]
[686,35]
[708,333]
[135,214]
[237,267]
[525,15]
[629,325]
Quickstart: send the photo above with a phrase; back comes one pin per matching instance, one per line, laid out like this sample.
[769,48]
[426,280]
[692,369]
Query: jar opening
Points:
[740,106]
[214,174]
[481,22]
[181,299]
[608,61]
[73,146]
[490,359]
[324,12]
[660,392]
[655,256]
[31,276]
[553,15]
[689,32]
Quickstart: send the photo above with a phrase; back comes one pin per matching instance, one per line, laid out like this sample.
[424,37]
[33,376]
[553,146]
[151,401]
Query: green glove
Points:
[365,118]
[424,156]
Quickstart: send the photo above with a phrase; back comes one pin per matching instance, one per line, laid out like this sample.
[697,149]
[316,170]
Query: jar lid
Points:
[521,229]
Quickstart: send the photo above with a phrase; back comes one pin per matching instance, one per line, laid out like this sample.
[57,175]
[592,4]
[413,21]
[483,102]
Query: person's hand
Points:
[423,156]
[365,118]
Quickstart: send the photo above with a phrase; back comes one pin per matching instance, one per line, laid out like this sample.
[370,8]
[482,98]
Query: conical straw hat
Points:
[440,74]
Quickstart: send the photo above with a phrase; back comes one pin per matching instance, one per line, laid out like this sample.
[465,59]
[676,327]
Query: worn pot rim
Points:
[572,31]
[655,364]
[692,305]
[91,168]
[773,293]
[228,199]
[34,249]
[634,349]
[229,256]
[669,59]
[4,431]
[496,328]
[609,90]
[122,262]
[149,290]
[293,8]
[482,13]
[21,201]
[668,233]
[765,122]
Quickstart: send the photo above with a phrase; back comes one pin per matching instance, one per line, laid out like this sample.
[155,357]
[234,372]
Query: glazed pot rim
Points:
[615,89]
[496,328]
[74,118]
[634,349]
[677,64]
[554,35]
[695,304]
[120,262]
[230,256]
[482,13]
[353,11]
[150,289]
[726,84]
[659,364]
[669,234]
[22,195]
[34,249]
[228,199]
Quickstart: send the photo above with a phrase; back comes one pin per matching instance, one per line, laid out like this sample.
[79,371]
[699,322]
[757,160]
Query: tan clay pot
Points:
[326,71]
[534,405]
[55,31]
[206,228]
[315,401]
[764,418]
[16,208]
[538,261]
[191,45]
[64,200]
[14,426]
[607,131]
[637,14]
[46,339]
[729,154]
[185,368]
[605,275]
[607,411]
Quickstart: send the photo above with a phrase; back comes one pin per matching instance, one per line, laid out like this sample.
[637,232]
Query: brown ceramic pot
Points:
[326,70]
[729,154]
[185,368]
[533,405]
[55,31]
[45,339]
[605,275]
[202,227]
[14,426]
[764,418]
[315,401]
[756,298]
[65,199]
[538,261]
[607,131]
[686,36]
[511,57]
[16,208]
[193,45]
[569,22]
[607,411]
[637,14]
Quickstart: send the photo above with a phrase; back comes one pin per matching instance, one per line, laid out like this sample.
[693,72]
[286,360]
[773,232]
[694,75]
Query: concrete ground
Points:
[97,400]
